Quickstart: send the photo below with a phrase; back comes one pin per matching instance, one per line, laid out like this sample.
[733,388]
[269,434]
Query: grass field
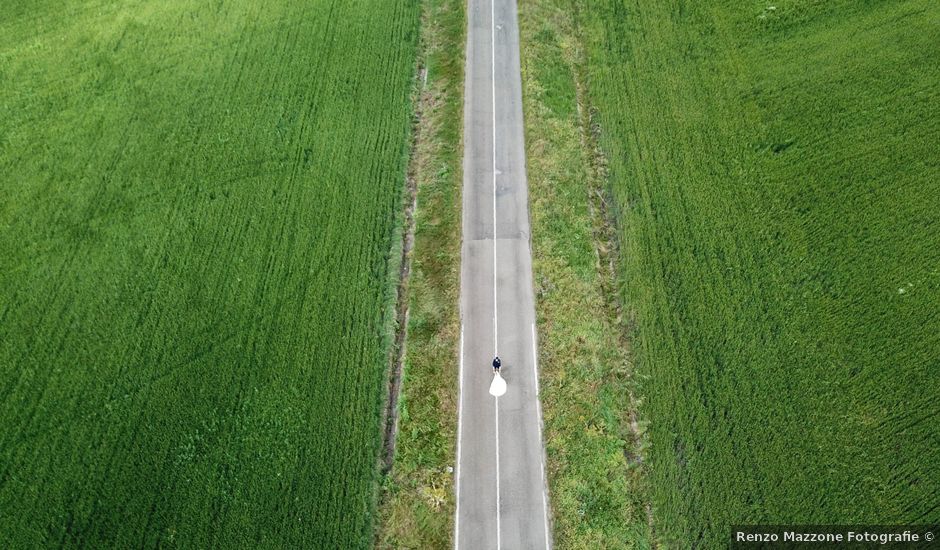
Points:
[199,210]
[776,175]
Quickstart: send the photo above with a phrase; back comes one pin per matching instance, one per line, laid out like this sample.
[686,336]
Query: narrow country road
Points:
[502,499]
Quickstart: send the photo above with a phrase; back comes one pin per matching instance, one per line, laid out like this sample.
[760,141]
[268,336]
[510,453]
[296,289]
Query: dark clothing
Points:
[496,364]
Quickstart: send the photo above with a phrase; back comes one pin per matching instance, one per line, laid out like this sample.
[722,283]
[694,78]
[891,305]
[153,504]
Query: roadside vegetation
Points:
[776,189]
[200,204]
[417,507]
[594,443]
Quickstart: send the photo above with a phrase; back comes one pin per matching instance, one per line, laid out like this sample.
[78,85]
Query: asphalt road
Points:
[502,500]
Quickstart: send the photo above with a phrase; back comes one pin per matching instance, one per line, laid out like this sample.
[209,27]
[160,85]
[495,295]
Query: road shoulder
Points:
[594,441]
[417,501]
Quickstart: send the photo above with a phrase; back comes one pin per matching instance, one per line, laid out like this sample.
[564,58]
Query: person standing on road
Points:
[496,364]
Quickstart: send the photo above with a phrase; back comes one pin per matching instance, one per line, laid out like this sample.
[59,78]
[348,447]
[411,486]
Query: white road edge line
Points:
[538,406]
[459,434]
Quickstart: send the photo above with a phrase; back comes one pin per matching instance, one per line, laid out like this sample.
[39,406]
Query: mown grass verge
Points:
[417,502]
[593,438]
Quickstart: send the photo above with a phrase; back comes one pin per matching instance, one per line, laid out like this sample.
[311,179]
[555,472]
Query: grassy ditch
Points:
[418,503]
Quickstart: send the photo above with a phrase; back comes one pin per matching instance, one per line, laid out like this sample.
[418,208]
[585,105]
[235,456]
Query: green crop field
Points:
[776,172]
[198,224]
